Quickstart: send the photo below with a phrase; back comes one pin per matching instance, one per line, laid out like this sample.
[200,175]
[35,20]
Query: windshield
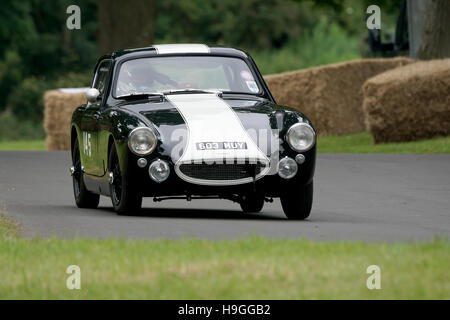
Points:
[150,75]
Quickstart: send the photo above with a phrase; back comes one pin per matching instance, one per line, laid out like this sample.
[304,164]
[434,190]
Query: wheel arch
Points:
[110,144]
[73,137]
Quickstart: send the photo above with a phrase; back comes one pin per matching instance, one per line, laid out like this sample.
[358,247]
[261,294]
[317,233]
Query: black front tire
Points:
[83,197]
[125,199]
[252,203]
[297,204]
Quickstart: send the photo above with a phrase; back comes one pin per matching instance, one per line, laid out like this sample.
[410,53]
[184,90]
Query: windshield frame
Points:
[255,73]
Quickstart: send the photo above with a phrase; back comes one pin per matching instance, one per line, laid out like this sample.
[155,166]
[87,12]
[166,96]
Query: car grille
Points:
[222,171]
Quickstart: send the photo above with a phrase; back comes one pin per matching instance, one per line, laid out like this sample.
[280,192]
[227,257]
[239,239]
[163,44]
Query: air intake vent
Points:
[221,172]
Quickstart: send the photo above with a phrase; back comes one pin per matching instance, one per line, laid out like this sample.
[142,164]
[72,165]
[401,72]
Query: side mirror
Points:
[92,95]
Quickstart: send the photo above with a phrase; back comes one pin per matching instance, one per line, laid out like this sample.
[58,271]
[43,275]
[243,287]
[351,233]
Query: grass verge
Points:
[22,145]
[362,143]
[250,268]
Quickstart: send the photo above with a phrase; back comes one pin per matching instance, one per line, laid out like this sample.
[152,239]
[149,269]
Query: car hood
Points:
[180,117]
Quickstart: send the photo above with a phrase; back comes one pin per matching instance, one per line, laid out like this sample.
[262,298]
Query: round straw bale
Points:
[409,103]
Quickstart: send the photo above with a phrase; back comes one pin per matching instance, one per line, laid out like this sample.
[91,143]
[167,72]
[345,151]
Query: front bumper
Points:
[269,185]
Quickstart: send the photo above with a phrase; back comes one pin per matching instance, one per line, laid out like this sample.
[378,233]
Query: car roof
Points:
[177,49]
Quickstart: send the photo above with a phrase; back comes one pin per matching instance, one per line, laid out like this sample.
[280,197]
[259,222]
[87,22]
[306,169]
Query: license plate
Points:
[221,145]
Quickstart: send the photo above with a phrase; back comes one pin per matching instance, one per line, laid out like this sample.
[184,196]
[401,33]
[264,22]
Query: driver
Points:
[142,80]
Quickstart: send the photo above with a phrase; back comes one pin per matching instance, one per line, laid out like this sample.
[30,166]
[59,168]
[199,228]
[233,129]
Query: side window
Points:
[101,76]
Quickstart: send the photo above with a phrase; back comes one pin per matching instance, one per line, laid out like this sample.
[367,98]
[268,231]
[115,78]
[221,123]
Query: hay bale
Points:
[58,108]
[409,103]
[58,140]
[331,95]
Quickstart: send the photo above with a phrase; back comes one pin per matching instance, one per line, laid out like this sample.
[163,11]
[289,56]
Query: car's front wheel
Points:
[83,197]
[252,203]
[297,203]
[125,199]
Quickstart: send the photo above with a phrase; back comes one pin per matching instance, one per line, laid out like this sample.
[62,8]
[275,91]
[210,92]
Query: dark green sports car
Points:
[188,121]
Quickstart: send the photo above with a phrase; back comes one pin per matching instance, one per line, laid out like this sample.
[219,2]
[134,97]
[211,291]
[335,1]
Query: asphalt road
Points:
[357,197]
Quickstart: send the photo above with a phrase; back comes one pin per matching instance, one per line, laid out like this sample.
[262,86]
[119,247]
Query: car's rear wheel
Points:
[297,204]
[125,199]
[252,203]
[83,197]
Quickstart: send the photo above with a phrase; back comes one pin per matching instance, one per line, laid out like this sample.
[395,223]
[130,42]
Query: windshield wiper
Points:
[257,94]
[190,90]
[141,95]
[161,94]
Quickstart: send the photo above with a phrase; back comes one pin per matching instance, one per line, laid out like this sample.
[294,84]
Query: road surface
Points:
[357,197]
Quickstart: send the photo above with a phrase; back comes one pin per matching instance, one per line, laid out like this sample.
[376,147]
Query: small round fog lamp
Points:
[142,162]
[287,168]
[299,158]
[159,170]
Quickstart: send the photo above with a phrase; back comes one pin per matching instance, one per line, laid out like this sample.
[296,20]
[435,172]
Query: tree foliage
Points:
[34,42]
[248,24]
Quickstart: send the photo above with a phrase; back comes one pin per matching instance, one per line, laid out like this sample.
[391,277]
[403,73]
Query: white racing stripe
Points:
[181,48]
[212,122]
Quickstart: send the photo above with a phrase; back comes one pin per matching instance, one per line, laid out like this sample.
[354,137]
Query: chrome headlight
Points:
[142,141]
[301,137]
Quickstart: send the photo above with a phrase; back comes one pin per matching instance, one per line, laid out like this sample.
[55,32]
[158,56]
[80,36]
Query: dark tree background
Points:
[125,24]
[435,43]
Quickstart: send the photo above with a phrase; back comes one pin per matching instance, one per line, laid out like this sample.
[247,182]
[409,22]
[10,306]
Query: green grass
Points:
[362,143]
[250,268]
[22,145]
